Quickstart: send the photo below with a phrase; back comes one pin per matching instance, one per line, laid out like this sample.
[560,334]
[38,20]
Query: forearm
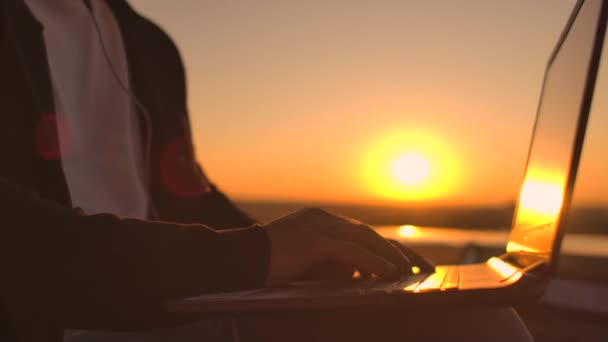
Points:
[101,267]
[212,208]
[218,211]
[164,260]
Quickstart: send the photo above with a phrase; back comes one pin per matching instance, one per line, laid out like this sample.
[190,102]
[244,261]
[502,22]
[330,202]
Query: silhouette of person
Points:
[106,215]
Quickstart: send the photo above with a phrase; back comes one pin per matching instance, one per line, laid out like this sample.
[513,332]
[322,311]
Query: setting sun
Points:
[410,166]
[411,169]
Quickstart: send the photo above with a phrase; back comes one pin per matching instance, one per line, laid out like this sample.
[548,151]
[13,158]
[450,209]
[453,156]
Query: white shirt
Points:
[99,135]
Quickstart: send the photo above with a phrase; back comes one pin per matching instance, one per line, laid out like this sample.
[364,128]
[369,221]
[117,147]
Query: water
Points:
[578,244]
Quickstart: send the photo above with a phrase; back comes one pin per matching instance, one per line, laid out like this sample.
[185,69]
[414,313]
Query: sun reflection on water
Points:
[408,231]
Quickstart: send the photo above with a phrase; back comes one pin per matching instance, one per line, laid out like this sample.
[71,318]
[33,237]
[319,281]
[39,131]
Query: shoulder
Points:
[145,37]
[151,50]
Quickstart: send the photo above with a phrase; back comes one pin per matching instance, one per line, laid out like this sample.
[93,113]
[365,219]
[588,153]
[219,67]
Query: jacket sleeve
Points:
[102,272]
[216,210]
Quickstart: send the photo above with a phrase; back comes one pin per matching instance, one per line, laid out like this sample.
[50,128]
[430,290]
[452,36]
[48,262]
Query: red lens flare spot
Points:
[179,173]
[46,137]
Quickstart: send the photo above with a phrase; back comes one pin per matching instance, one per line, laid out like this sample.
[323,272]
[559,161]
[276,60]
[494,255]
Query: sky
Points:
[365,101]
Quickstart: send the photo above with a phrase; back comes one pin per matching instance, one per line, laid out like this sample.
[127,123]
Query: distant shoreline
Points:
[581,219]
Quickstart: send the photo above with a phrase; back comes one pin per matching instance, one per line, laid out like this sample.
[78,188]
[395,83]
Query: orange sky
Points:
[314,100]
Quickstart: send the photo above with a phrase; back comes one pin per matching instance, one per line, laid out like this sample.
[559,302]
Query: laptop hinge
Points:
[508,258]
[504,256]
[533,265]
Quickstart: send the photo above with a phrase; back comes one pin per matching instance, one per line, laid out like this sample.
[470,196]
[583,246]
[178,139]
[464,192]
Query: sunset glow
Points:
[409,231]
[541,197]
[394,102]
[411,169]
[410,166]
[540,203]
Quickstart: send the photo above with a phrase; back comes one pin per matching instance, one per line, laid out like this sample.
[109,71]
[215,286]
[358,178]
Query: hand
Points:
[311,238]
[415,259]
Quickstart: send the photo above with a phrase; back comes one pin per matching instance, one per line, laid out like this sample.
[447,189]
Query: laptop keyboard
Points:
[444,278]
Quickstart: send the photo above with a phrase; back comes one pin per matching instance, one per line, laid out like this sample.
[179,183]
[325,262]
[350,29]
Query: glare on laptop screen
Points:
[545,183]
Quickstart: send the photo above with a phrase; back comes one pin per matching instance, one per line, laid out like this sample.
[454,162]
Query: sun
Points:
[410,166]
[411,169]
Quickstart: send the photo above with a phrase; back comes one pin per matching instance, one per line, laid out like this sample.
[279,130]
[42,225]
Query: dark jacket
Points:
[60,268]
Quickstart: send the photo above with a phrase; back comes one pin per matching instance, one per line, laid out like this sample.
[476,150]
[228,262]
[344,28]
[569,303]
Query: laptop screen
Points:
[558,133]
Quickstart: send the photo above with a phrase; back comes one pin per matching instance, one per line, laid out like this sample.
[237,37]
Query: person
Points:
[106,214]
[94,118]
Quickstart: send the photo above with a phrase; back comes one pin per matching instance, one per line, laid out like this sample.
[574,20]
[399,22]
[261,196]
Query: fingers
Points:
[365,236]
[306,239]
[415,258]
[357,258]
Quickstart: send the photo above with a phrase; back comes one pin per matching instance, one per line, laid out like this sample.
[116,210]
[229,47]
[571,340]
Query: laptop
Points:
[523,271]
